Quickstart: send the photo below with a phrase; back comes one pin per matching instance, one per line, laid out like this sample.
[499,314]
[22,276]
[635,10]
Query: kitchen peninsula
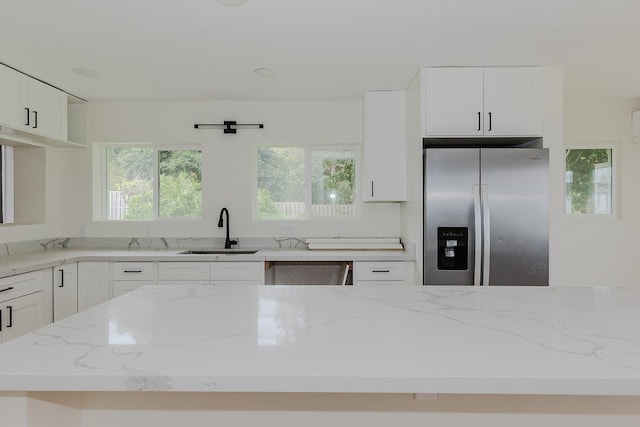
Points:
[217,352]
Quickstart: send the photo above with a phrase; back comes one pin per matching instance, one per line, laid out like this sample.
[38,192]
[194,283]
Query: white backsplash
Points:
[15,248]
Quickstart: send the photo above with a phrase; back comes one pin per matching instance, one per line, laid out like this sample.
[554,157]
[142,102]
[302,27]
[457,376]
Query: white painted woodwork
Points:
[32,106]
[453,101]
[384,147]
[471,102]
[237,273]
[65,291]
[93,283]
[23,303]
[374,272]
[22,315]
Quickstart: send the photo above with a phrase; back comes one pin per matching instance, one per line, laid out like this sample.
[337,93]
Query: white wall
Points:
[228,162]
[604,251]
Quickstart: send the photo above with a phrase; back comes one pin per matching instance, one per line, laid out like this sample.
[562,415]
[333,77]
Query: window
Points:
[589,181]
[306,182]
[150,182]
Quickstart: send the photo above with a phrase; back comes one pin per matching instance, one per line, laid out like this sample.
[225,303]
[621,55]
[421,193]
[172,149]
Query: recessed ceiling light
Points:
[85,72]
[232,2]
[265,72]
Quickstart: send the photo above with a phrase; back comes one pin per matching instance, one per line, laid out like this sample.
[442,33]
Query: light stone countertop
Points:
[381,339]
[23,263]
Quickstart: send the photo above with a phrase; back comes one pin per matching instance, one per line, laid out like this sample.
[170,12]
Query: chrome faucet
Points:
[227,241]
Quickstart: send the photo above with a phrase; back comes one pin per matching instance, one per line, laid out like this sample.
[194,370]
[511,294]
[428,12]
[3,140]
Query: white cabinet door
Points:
[513,101]
[454,101]
[48,108]
[65,291]
[121,287]
[21,315]
[129,275]
[29,105]
[129,270]
[237,273]
[462,102]
[93,283]
[382,272]
[183,271]
[14,87]
[385,146]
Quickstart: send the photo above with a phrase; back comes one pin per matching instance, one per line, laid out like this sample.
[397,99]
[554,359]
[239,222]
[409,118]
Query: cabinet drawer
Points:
[231,271]
[183,271]
[238,282]
[393,270]
[125,286]
[184,282]
[132,271]
[21,284]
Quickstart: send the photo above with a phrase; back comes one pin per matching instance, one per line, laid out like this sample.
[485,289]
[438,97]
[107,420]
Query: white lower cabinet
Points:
[121,287]
[381,272]
[65,291]
[238,273]
[93,283]
[129,276]
[187,273]
[25,303]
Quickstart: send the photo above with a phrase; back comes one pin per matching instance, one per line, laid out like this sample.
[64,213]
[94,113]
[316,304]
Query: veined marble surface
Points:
[340,339]
[31,261]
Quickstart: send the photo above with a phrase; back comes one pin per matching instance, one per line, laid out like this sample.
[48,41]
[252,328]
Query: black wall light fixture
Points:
[229,126]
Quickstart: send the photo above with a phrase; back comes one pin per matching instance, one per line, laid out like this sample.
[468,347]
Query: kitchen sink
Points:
[235,251]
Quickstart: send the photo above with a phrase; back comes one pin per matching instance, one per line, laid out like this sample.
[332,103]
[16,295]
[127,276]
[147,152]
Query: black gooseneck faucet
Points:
[227,241]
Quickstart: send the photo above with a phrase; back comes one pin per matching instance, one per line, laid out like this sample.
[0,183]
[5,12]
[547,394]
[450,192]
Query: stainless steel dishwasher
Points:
[309,273]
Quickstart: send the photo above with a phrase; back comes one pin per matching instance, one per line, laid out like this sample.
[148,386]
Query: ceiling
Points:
[320,49]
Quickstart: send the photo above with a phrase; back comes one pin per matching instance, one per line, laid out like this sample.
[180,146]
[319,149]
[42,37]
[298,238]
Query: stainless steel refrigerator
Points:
[486,214]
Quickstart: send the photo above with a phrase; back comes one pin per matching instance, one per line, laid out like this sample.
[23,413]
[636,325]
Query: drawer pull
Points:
[10,324]
[380,271]
[6,289]
[61,279]
[132,271]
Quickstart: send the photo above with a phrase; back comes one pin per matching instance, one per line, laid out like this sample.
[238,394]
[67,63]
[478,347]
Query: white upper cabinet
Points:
[468,102]
[31,106]
[13,87]
[385,146]
[453,101]
[48,108]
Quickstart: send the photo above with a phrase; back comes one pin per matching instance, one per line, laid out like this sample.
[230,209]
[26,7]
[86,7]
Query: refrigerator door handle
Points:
[477,216]
[486,234]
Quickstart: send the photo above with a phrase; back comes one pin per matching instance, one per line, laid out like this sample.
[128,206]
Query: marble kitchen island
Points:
[331,354]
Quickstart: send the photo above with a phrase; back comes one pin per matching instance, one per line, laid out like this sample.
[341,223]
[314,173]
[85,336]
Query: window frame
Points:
[308,169]
[615,179]
[101,191]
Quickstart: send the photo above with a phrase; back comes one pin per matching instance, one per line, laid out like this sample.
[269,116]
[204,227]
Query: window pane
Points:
[129,183]
[180,179]
[588,180]
[281,183]
[333,183]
